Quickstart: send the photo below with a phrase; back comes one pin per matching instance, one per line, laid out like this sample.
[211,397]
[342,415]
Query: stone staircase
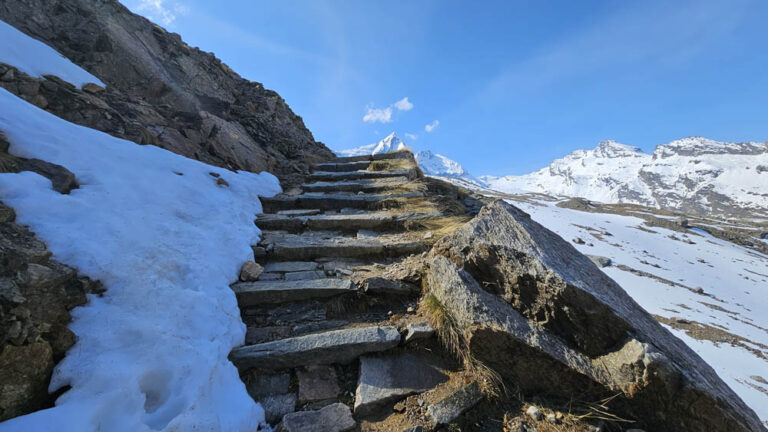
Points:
[336,339]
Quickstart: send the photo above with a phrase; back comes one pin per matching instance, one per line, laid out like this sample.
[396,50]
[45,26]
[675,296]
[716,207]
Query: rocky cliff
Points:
[159,90]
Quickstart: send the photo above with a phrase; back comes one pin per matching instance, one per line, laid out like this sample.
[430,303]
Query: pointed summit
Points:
[611,148]
[389,144]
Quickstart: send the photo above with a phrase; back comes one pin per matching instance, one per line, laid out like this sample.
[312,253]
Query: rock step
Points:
[260,292]
[370,158]
[329,201]
[342,166]
[359,175]
[335,346]
[375,221]
[317,244]
[364,185]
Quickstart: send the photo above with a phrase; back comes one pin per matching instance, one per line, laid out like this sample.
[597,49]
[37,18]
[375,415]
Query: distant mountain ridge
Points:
[695,174]
[433,164]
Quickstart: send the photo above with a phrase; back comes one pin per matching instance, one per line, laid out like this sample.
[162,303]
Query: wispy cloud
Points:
[411,136]
[381,115]
[432,126]
[161,11]
[384,115]
[403,104]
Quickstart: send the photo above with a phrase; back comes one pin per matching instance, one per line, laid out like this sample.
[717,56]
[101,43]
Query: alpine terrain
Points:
[178,253]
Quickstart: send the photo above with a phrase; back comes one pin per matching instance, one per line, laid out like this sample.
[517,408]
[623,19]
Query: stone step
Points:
[261,292]
[317,244]
[342,166]
[359,175]
[363,185]
[341,222]
[369,158]
[329,201]
[335,346]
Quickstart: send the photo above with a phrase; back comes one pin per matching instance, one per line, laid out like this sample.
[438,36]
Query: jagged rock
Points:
[277,407]
[317,383]
[419,330]
[333,418]
[388,378]
[534,413]
[250,271]
[550,321]
[336,346]
[600,261]
[451,407]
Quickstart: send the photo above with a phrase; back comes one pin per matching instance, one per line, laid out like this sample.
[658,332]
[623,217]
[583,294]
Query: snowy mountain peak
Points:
[390,143]
[611,149]
[697,146]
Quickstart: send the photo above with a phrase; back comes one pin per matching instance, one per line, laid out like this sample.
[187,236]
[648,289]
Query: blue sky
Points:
[503,87]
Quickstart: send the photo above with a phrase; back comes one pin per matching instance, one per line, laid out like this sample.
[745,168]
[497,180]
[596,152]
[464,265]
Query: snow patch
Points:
[166,239]
[37,59]
[389,144]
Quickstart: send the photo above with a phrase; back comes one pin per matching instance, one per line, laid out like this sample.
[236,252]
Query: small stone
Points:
[317,383]
[344,272]
[578,240]
[277,406]
[259,252]
[270,247]
[390,313]
[699,290]
[222,182]
[333,418]
[93,88]
[420,402]
[259,386]
[534,413]
[419,330]
[399,407]
[451,407]
[410,309]
[250,271]
[428,235]
[551,418]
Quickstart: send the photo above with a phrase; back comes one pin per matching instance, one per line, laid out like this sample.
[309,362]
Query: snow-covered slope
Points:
[692,281]
[695,175]
[391,143]
[166,235]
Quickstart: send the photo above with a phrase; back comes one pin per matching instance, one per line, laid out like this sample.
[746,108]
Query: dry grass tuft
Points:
[454,340]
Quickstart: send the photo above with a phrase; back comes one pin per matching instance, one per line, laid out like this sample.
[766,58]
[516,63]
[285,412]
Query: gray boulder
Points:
[546,319]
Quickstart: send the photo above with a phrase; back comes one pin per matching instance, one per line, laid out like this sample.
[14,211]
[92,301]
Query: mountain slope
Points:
[159,90]
[695,175]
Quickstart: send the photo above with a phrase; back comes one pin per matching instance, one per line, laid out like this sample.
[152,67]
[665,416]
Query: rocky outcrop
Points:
[546,319]
[36,294]
[159,90]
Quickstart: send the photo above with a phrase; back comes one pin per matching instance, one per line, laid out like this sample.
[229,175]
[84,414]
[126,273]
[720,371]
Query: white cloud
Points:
[384,115]
[161,11]
[432,126]
[381,115]
[411,136]
[403,104]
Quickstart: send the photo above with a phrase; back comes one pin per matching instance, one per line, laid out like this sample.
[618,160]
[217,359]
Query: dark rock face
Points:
[36,294]
[549,321]
[159,90]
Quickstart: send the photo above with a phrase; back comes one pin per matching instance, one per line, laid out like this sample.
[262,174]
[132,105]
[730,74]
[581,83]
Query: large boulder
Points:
[545,318]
